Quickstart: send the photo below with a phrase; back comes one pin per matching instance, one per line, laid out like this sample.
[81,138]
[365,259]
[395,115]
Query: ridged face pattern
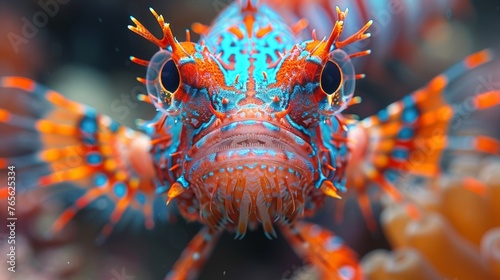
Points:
[251,99]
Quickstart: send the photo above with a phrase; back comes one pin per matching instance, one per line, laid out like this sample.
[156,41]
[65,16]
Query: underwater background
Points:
[83,52]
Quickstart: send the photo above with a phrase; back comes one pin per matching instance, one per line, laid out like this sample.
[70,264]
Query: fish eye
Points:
[169,76]
[163,80]
[331,78]
[337,82]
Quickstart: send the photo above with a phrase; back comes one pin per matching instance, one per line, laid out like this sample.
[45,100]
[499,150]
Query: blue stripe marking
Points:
[89,140]
[289,155]
[249,122]
[299,140]
[228,127]
[259,152]
[211,157]
[270,126]
[244,152]
[271,153]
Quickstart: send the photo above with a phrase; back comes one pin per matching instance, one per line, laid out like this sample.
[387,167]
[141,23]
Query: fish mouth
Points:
[250,172]
[250,141]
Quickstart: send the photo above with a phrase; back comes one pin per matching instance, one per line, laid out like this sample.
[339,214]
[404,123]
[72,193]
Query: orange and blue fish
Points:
[249,132]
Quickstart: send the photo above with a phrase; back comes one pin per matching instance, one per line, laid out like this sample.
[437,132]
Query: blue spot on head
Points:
[289,155]
[120,189]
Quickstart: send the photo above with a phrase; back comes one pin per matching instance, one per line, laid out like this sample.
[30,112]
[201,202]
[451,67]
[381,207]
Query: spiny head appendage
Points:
[168,38]
[299,26]
[333,39]
[248,5]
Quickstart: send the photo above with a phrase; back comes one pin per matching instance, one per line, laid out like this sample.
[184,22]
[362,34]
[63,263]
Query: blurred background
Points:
[82,49]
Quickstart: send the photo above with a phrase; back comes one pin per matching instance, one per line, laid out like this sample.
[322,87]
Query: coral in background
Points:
[458,235]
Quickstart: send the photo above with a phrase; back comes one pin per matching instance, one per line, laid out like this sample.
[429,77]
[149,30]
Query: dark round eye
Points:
[331,78]
[170,78]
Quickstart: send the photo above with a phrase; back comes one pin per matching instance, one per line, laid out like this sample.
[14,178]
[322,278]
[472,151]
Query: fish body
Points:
[256,125]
